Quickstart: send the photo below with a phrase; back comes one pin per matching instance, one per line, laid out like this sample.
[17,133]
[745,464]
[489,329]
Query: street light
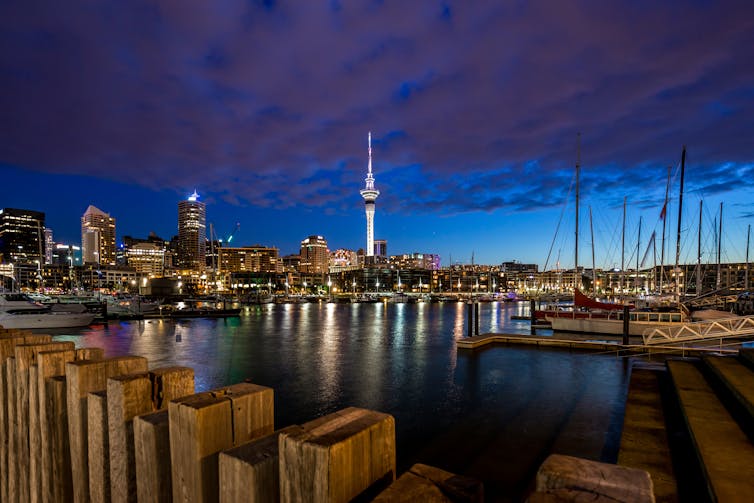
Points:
[329,287]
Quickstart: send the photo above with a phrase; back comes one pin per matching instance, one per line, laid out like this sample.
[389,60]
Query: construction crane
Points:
[230,236]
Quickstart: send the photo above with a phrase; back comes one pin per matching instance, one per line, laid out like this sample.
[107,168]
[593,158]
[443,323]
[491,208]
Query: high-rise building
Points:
[192,233]
[314,255]
[22,236]
[369,193]
[49,245]
[380,247]
[146,258]
[97,237]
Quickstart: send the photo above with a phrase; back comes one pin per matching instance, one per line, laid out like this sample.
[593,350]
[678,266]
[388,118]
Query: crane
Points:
[233,232]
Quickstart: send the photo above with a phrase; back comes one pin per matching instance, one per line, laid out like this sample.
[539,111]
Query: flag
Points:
[664,211]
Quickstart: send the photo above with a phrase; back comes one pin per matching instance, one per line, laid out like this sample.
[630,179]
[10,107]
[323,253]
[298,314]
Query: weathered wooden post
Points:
[204,424]
[470,316]
[131,395]
[98,447]
[151,435]
[476,318]
[49,363]
[336,457]
[251,471]
[26,402]
[83,377]
[626,321]
[9,339]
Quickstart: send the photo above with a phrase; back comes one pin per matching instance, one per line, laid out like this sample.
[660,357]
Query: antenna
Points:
[370,152]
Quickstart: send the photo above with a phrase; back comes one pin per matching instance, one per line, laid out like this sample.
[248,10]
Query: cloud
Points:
[268,105]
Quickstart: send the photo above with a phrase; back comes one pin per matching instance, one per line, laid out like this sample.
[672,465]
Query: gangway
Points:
[720,328]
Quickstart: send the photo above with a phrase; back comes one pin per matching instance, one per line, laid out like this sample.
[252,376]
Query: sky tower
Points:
[369,193]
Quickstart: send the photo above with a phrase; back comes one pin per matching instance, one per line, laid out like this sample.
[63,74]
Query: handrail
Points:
[700,330]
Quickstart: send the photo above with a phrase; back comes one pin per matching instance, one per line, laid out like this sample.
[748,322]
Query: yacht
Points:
[17,310]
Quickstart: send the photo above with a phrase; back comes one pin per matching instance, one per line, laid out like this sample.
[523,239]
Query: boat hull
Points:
[45,320]
[603,325]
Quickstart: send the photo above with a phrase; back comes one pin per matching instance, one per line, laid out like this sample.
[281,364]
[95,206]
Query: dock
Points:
[574,343]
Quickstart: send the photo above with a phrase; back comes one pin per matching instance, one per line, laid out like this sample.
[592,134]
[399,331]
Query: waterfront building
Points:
[21,236]
[97,237]
[255,258]
[148,259]
[342,258]
[192,234]
[416,261]
[314,255]
[370,194]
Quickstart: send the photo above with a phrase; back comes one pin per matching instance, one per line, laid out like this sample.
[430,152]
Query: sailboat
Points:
[610,321]
[582,303]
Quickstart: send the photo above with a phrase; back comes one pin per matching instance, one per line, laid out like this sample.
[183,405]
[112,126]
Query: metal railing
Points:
[701,330]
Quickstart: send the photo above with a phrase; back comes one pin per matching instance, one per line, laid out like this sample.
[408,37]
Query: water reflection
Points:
[493,414]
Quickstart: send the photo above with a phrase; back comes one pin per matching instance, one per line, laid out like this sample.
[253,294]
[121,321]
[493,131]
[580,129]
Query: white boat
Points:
[613,324]
[17,310]
[128,305]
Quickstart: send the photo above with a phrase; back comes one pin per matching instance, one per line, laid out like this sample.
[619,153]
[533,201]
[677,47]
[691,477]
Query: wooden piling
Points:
[98,447]
[26,355]
[337,457]
[427,483]
[152,455]
[84,377]
[61,483]
[10,379]
[251,471]
[49,364]
[204,424]
[9,339]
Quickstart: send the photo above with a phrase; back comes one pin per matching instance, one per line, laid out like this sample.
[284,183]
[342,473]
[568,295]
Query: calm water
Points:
[494,414]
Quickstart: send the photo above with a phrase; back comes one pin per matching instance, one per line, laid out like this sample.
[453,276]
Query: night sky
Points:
[264,107]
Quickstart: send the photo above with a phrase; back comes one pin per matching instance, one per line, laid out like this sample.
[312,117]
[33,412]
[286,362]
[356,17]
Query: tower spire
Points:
[369,193]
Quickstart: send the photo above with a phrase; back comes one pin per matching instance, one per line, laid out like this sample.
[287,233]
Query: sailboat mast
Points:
[719,245]
[699,254]
[594,267]
[746,276]
[664,221]
[623,248]
[678,236]
[576,254]
[638,249]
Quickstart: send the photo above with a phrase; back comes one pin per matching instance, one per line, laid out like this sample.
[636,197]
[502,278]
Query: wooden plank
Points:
[98,447]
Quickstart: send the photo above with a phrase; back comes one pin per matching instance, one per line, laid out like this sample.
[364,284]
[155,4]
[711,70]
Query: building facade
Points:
[192,234]
[250,259]
[315,256]
[147,259]
[97,237]
[22,236]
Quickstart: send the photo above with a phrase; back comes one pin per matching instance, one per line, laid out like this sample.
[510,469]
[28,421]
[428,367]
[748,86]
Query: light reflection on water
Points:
[494,414]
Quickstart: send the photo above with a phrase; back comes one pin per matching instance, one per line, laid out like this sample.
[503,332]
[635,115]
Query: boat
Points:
[612,324]
[126,306]
[17,310]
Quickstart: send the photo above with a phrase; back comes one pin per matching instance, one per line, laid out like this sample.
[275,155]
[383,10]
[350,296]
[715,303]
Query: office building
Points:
[314,255]
[250,259]
[192,234]
[22,236]
[97,237]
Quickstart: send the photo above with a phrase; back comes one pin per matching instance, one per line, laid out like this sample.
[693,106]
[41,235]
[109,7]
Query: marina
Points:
[402,359]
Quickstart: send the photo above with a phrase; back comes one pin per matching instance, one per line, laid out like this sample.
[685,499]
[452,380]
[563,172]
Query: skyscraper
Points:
[315,256]
[192,233]
[369,193]
[21,236]
[97,237]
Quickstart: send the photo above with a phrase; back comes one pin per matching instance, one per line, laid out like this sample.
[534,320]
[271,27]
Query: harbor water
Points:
[494,414]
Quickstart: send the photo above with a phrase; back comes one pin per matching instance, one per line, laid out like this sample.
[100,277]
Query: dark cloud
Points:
[474,106]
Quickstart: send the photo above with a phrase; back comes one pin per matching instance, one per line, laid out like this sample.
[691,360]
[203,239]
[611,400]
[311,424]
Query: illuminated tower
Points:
[369,193]
[97,237]
[192,233]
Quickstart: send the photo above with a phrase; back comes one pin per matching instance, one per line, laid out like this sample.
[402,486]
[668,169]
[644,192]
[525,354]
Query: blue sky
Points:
[264,108]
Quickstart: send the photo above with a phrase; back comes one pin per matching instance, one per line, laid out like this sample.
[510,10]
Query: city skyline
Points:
[474,113]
